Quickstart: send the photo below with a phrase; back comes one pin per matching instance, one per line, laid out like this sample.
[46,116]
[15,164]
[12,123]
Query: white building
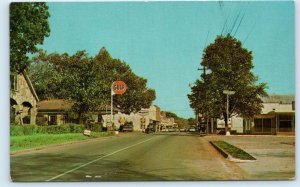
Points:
[140,120]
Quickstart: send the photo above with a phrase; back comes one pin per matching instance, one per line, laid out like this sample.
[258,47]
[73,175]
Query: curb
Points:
[227,155]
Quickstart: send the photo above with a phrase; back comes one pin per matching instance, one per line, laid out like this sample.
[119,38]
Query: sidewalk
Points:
[275,155]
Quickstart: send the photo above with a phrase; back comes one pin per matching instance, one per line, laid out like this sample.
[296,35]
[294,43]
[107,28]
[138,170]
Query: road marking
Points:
[100,158]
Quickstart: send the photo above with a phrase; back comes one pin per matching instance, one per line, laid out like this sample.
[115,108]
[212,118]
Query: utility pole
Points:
[206,117]
[111,106]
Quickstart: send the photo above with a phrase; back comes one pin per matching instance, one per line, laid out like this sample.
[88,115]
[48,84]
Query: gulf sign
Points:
[119,87]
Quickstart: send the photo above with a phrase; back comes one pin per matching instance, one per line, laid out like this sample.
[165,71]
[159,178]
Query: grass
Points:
[18,143]
[233,151]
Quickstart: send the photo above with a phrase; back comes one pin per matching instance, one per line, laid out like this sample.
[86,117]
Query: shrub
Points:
[58,129]
[41,120]
[29,129]
[19,130]
[16,130]
[95,127]
[78,128]
[42,129]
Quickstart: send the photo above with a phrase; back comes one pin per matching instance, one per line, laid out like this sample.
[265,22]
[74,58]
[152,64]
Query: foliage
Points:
[137,95]
[94,127]
[41,120]
[73,77]
[230,66]
[28,27]
[20,130]
[171,115]
[192,121]
[87,81]
[182,122]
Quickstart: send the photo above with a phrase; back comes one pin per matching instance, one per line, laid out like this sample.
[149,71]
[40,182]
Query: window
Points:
[263,125]
[13,82]
[285,123]
[52,120]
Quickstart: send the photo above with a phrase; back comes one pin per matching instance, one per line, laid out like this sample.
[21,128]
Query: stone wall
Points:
[24,98]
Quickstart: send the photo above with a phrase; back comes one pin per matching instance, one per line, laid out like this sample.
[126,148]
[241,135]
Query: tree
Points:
[182,122]
[230,66]
[137,95]
[87,81]
[28,27]
[192,121]
[69,77]
[171,115]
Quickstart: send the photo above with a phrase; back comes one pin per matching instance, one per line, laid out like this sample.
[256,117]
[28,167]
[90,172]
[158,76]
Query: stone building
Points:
[23,100]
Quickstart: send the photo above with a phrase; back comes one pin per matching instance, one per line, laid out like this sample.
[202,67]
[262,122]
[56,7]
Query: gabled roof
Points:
[65,105]
[55,104]
[30,85]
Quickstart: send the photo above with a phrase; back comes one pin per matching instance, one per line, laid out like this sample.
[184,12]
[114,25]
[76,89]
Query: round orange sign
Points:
[119,87]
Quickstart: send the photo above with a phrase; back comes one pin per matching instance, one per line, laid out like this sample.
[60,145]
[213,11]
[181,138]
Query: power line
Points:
[235,20]
[241,20]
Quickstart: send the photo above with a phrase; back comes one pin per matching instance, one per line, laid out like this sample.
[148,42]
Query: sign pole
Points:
[117,87]
[111,106]
[227,92]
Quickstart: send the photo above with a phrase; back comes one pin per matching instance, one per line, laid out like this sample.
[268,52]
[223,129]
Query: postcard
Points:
[152,91]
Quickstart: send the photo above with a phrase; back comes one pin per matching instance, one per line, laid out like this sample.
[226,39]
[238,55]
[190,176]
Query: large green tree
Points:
[87,81]
[28,27]
[230,68]
[73,77]
[137,95]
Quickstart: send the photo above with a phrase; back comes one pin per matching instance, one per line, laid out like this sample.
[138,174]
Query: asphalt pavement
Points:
[127,157]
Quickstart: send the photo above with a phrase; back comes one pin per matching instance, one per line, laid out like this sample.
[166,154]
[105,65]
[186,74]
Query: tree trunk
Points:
[80,118]
[100,121]
[226,124]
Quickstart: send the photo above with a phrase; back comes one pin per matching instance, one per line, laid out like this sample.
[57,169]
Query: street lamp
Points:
[227,92]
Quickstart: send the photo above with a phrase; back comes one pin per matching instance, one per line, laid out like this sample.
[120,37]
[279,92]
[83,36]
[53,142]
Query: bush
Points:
[41,120]
[16,130]
[19,130]
[95,127]
[30,129]
[78,128]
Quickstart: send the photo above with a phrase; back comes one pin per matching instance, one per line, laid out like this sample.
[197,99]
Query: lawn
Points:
[18,143]
[235,152]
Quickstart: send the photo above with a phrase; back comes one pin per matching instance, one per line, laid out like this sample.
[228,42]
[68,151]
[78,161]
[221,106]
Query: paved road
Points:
[129,157]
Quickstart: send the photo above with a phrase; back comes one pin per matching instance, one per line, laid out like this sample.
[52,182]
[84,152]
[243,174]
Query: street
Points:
[127,157]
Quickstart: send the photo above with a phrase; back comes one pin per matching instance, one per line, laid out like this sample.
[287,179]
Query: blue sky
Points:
[164,41]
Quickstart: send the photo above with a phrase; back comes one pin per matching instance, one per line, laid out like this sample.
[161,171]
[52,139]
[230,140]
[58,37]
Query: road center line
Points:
[88,163]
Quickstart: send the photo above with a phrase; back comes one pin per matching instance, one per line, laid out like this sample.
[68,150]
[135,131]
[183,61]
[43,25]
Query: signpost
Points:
[227,92]
[117,87]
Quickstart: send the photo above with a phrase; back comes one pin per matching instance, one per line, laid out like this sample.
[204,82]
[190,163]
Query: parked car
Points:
[192,129]
[126,128]
[182,130]
[150,129]
[171,129]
